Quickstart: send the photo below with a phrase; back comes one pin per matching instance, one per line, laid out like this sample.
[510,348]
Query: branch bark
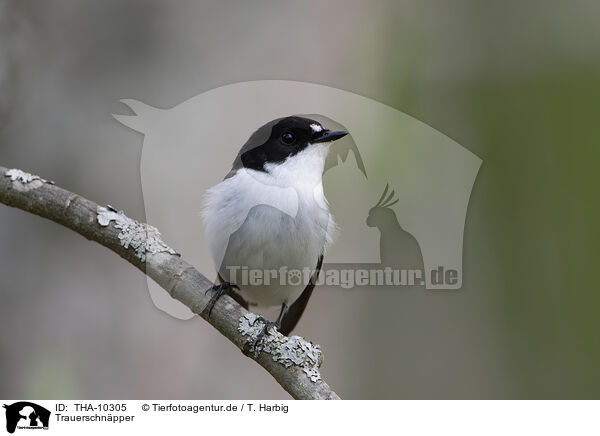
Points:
[293,362]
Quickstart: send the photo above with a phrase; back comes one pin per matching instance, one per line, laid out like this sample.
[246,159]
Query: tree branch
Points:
[293,362]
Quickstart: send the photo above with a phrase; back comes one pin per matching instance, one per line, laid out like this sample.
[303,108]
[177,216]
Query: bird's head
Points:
[284,138]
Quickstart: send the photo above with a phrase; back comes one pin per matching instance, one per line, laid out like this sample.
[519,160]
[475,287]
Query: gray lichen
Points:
[287,351]
[143,238]
[23,181]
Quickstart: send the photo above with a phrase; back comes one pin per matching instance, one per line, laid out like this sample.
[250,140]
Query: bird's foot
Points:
[220,290]
[253,346]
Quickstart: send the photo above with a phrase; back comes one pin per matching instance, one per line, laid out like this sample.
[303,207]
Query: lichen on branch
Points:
[23,181]
[143,238]
[292,351]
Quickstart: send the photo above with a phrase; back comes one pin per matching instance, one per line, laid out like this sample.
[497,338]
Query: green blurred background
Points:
[515,82]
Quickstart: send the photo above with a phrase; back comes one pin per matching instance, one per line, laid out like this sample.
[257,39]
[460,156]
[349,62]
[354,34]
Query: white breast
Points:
[270,220]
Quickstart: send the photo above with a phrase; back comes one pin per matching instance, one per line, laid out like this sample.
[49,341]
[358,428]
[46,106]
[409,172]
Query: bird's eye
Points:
[288,138]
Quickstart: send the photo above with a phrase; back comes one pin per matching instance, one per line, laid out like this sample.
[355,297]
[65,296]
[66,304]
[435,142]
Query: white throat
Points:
[301,170]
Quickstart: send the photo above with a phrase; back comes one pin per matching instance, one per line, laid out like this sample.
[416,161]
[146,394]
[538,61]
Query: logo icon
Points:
[26,415]
[415,230]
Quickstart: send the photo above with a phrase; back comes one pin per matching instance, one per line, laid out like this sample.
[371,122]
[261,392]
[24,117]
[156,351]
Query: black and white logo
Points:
[26,415]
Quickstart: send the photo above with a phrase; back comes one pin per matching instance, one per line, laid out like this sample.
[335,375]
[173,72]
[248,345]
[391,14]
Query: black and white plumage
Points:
[270,212]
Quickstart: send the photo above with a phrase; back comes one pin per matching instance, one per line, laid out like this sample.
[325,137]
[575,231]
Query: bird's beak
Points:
[329,135]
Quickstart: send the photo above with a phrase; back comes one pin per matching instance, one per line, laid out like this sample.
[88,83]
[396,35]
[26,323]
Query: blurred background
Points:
[515,82]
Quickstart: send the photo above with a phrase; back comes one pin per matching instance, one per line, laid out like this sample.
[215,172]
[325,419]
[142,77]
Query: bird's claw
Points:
[220,290]
[264,332]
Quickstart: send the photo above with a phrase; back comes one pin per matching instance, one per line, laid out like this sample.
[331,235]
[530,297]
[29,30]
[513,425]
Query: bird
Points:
[270,214]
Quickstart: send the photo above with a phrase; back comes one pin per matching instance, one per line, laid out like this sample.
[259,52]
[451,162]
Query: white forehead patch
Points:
[316,128]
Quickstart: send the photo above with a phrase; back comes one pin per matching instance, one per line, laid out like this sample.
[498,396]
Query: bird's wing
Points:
[295,311]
